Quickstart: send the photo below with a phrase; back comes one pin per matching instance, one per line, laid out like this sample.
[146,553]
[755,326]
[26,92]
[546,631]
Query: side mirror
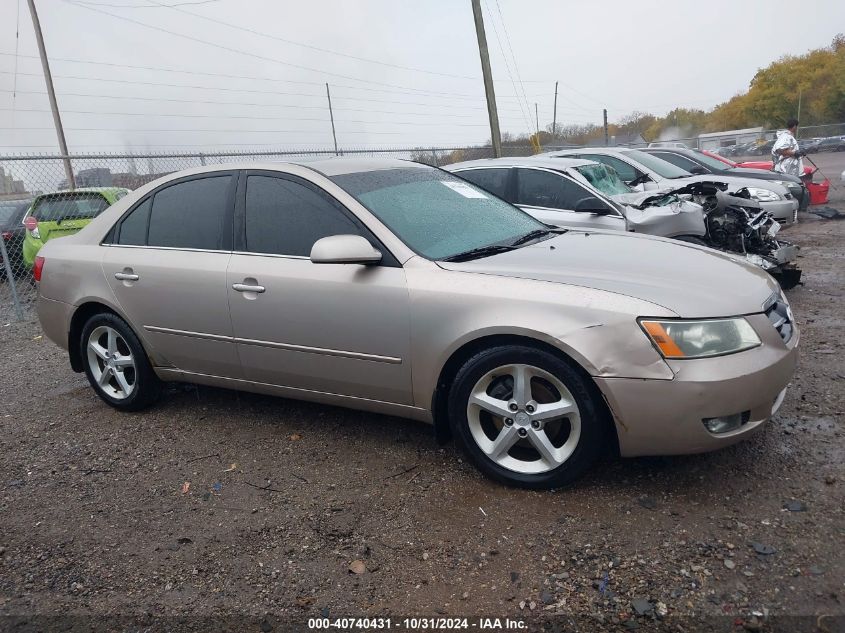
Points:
[344,249]
[591,204]
[698,170]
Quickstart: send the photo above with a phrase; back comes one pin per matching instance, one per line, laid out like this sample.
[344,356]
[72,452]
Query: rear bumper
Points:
[665,417]
[55,319]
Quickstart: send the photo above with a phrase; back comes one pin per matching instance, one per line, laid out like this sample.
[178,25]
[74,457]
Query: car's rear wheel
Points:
[526,417]
[116,365]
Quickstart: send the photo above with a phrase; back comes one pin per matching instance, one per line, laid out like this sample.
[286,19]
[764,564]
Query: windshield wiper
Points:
[482,251]
[533,235]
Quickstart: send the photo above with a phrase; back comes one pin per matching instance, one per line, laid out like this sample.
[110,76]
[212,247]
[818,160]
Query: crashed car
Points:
[643,171]
[698,162]
[586,194]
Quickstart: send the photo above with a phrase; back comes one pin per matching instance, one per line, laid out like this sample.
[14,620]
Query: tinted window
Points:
[625,171]
[493,180]
[69,206]
[12,211]
[435,213]
[544,189]
[284,217]
[190,214]
[677,160]
[133,229]
[660,167]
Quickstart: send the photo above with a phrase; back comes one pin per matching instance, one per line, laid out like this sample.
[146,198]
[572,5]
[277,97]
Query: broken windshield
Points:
[604,178]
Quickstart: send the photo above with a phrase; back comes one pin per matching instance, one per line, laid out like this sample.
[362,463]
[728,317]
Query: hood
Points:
[733,183]
[688,280]
[642,199]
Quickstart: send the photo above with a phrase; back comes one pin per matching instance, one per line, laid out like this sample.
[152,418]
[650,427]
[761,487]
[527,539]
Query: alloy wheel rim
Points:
[111,362]
[524,419]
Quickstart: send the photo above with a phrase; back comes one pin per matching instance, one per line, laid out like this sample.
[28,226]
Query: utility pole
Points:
[48,78]
[606,138]
[799,106]
[554,116]
[331,115]
[537,121]
[489,92]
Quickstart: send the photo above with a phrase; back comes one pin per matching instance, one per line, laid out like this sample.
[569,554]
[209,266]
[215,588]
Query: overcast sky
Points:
[401,73]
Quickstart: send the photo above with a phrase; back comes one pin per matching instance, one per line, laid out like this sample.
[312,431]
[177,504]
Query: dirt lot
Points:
[98,518]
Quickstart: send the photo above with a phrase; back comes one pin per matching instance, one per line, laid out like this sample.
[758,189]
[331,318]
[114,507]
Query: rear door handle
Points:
[126,276]
[248,288]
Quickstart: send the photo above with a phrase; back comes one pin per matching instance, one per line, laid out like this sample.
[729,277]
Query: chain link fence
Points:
[37,203]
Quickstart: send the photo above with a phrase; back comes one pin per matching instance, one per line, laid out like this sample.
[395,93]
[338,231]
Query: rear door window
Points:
[191,214]
[493,180]
[538,188]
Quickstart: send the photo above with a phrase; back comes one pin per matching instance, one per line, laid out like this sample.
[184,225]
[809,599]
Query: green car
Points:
[64,213]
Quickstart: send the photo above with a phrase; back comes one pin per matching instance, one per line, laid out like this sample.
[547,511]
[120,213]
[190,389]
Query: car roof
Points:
[337,166]
[594,150]
[683,151]
[523,161]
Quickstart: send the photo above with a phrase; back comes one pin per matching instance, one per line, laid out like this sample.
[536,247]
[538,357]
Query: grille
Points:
[780,316]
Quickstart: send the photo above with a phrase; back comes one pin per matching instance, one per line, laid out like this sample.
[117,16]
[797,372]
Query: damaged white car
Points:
[586,194]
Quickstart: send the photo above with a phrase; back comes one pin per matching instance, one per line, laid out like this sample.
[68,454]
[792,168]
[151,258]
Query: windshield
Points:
[657,165]
[69,206]
[8,210]
[436,214]
[604,178]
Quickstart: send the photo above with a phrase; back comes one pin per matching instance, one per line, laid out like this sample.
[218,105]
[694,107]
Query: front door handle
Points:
[126,276]
[248,288]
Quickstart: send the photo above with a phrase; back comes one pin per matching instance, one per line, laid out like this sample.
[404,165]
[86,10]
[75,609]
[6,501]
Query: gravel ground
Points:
[220,504]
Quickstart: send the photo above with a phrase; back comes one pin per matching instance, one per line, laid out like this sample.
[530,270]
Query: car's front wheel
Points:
[526,417]
[116,364]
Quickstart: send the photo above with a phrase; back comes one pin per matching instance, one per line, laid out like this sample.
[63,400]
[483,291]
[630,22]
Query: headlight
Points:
[699,339]
[763,195]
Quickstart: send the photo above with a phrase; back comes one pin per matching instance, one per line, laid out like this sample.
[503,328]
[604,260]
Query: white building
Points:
[716,140]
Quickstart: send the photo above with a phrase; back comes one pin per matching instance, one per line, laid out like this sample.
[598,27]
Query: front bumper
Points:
[664,417]
[784,211]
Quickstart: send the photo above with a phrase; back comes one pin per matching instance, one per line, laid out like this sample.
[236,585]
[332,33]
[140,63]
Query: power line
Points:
[249,117]
[525,116]
[101,96]
[179,131]
[235,50]
[244,90]
[308,46]
[149,6]
[515,66]
[418,93]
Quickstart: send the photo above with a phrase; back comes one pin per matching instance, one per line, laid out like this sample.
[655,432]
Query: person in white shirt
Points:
[786,155]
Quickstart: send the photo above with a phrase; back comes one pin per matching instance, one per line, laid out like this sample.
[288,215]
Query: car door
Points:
[334,328]
[551,197]
[166,265]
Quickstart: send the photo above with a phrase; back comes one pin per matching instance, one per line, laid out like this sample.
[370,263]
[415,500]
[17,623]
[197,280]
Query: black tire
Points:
[594,427]
[692,239]
[147,386]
